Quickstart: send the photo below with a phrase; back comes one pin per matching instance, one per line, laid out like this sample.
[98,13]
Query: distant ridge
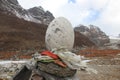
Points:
[94,33]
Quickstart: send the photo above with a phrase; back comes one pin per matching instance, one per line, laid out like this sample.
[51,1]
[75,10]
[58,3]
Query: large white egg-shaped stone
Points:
[59,34]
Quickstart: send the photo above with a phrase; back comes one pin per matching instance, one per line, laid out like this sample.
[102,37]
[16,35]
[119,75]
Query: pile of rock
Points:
[9,68]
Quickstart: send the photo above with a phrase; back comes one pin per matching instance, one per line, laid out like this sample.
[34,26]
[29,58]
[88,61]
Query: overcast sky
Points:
[102,13]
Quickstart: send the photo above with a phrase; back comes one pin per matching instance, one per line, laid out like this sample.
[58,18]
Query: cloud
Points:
[29,3]
[109,19]
[81,11]
[102,13]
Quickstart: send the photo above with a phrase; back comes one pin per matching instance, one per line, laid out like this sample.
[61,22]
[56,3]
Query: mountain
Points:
[36,14]
[18,34]
[39,14]
[94,33]
[22,29]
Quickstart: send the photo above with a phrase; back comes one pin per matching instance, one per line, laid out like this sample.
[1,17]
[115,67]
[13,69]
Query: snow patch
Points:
[114,37]
[11,62]
[26,17]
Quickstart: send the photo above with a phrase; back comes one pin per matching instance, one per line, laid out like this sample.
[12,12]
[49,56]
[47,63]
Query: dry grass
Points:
[18,34]
[98,53]
[25,57]
[7,55]
[81,40]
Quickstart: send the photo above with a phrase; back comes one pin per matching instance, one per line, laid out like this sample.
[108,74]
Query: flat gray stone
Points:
[60,34]
[56,70]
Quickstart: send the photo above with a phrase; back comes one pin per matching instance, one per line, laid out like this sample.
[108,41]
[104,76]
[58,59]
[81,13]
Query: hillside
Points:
[17,34]
[22,29]
[94,33]
[82,41]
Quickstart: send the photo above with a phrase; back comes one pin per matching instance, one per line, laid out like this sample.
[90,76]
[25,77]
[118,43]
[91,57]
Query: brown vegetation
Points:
[7,55]
[82,41]
[25,57]
[98,53]
[18,34]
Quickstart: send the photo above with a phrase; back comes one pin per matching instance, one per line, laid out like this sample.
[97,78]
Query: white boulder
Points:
[59,34]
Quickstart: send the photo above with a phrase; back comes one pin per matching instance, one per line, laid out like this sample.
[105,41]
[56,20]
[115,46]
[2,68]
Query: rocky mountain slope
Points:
[94,34]
[20,29]
[37,14]
[82,41]
[19,34]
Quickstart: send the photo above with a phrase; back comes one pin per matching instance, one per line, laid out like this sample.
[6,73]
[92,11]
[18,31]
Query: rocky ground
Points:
[108,68]
[105,67]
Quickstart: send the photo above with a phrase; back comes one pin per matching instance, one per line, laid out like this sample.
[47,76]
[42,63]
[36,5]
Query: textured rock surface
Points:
[9,68]
[52,77]
[94,34]
[55,69]
[44,16]
[59,34]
